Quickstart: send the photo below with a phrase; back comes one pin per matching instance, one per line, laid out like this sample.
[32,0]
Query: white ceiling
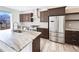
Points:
[29,8]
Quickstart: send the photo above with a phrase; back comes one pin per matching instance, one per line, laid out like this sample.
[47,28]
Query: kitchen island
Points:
[17,41]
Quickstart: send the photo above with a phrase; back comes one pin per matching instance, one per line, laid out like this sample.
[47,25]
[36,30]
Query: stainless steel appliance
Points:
[56,28]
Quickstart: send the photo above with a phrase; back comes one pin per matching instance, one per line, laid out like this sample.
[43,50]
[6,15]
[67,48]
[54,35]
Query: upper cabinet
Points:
[56,11]
[44,16]
[26,17]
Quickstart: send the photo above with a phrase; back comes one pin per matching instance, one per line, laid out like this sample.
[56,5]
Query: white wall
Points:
[15,14]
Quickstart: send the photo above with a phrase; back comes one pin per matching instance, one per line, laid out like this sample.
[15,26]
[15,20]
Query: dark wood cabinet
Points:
[56,11]
[72,37]
[44,16]
[36,44]
[44,33]
[36,41]
[26,17]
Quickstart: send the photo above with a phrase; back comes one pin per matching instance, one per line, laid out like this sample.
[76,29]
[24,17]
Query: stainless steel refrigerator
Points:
[56,28]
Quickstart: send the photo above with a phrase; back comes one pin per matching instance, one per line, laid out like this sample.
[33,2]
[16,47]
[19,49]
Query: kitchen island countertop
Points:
[17,41]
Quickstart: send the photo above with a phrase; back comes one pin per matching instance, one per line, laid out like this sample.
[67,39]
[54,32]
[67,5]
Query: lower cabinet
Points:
[72,37]
[44,31]
[36,44]
[36,41]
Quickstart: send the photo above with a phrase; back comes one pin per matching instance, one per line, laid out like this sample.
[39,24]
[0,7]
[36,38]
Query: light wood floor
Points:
[48,46]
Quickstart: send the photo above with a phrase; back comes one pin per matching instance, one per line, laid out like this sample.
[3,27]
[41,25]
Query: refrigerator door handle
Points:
[52,21]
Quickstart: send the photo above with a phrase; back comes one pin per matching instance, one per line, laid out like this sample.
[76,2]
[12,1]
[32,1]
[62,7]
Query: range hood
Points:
[36,16]
[36,13]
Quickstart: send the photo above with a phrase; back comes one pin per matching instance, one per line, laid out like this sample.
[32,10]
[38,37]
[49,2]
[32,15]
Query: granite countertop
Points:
[18,41]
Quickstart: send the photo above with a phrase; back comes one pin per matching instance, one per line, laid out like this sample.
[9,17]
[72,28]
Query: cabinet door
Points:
[72,37]
[44,32]
[21,17]
[44,16]
[56,11]
[36,44]
[68,37]
[26,17]
[75,37]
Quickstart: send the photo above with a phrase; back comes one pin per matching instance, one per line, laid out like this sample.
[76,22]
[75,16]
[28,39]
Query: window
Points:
[4,20]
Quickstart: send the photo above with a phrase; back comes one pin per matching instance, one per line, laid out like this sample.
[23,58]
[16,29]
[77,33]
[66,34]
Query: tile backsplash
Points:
[41,24]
